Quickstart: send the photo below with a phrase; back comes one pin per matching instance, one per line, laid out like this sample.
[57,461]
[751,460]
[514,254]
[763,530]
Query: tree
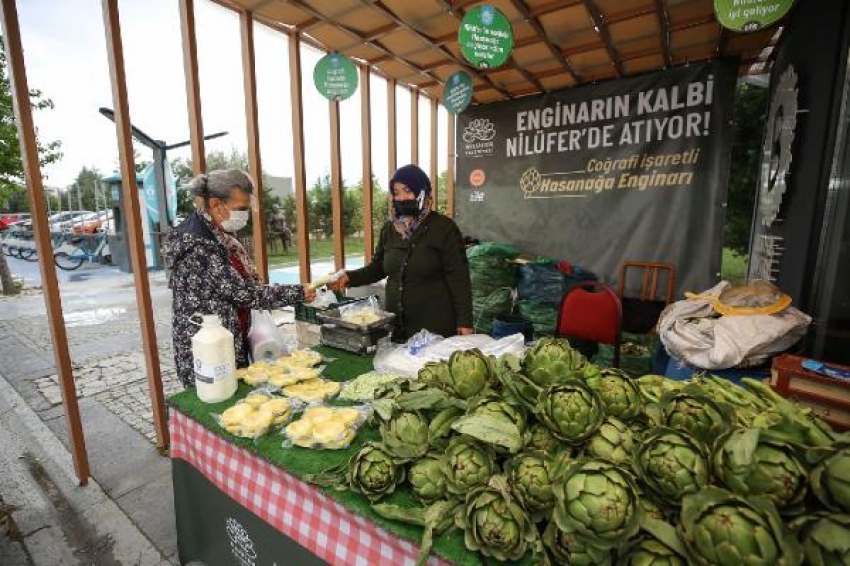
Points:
[11,166]
[82,191]
[750,105]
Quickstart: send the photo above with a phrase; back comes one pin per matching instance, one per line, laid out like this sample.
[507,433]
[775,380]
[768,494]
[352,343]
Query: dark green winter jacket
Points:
[433,291]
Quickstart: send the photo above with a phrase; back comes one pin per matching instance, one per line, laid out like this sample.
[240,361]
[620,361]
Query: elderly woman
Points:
[422,255]
[212,273]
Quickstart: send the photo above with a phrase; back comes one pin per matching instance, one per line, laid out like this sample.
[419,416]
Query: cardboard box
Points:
[828,397]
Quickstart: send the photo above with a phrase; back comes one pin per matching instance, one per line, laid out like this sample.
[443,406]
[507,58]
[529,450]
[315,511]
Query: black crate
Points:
[306,313]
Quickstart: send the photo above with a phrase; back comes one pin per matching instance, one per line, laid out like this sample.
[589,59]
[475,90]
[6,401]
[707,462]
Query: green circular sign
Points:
[335,76]
[457,94]
[751,15]
[486,37]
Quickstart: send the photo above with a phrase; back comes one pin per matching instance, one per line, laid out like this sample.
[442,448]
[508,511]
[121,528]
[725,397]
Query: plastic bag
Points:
[543,316]
[541,283]
[265,338]
[364,386]
[324,427]
[324,299]
[258,413]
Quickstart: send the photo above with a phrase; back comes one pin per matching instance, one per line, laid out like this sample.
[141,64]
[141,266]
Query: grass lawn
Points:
[319,249]
[734,266]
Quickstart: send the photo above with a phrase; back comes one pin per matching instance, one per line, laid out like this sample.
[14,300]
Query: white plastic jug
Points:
[214,361]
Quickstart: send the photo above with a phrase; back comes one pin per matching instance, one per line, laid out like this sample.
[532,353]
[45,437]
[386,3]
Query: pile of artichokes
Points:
[552,460]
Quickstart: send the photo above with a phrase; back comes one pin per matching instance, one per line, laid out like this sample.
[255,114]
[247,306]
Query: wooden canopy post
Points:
[135,237]
[392,143]
[193,85]
[366,143]
[41,228]
[301,225]
[450,175]
[414,126]
[336,190]
[435,178]
[249,76]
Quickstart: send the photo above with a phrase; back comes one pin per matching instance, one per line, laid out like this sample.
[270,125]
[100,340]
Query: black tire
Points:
[63,261]
[15,251]
[28,254]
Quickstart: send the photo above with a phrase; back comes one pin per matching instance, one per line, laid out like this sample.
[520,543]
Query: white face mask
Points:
[238,219]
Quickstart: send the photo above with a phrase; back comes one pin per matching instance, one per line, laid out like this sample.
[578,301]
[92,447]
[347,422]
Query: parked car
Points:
[67,219]
[91,223]
[12,218]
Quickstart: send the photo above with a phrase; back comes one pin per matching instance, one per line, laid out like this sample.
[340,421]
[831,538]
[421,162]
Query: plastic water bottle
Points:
[214,357]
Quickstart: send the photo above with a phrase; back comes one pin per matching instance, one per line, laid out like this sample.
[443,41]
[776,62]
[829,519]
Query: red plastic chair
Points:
[592,311]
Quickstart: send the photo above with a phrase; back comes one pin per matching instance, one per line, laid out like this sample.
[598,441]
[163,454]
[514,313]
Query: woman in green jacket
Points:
[421,254]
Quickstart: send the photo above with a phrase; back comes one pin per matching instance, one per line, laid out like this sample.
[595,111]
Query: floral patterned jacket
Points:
[204,281]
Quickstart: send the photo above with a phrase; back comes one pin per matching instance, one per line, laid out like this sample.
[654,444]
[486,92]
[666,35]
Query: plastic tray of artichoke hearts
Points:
[322,427]
[257,414]
[336,317]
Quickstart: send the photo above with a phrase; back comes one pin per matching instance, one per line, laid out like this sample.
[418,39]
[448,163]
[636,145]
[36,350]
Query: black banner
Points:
[632,169]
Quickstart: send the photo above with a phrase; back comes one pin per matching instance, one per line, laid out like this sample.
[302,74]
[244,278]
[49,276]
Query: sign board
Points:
[457,94]
[486,37]
[632,169]
[750,15]
[335,76]
[149,186]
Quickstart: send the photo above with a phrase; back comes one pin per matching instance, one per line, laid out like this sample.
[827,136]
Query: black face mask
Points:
[406,207]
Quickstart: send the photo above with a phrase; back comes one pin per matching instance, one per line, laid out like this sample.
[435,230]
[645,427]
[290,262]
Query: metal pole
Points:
[161,204]
[336,190]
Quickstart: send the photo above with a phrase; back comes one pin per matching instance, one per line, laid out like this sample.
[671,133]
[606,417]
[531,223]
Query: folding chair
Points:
[640,313]
[592,311]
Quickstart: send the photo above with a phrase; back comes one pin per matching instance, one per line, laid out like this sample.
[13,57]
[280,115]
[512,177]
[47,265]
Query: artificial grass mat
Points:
[302,461]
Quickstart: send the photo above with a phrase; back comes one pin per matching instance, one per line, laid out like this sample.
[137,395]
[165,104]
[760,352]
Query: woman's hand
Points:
[464,331]
[309,295]
[340,284]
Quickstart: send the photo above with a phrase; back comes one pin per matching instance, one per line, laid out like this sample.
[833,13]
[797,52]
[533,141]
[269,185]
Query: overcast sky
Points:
[65,53]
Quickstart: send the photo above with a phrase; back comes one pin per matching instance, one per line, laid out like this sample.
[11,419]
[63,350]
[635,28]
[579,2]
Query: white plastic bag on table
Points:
[691,331]
[264,337]
[324,299]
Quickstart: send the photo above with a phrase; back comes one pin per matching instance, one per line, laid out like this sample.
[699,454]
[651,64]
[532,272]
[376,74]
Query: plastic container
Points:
[214,358]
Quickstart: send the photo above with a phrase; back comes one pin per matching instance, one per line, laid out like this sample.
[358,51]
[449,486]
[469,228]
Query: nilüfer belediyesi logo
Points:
[478,137]
[241,544]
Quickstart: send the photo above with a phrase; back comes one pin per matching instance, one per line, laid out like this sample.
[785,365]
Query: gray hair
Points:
[220,184]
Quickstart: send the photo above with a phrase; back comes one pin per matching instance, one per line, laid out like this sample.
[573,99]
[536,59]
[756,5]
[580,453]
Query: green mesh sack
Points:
[487,307]
[543,316]
[636,354]
[492,249]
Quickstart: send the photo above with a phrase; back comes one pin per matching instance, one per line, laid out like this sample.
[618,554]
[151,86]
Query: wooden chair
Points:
[640,313]
[592,311]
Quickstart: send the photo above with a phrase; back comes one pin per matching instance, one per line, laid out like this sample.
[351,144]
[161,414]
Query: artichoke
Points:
[653,387]
[467,464]
[435,374]
[528,476]
[612,441]
[406,435]
[538,437]
[671,465]
[552,361]
[496,407]
[618,392]
[721,528]
[494,524]
[825,538]
[650,509]
[657,544]
[440,427]
[571,410]
[754,461]
[469,373]
[373,472]
[830,477]
[597,502]
[689,409]
[564,548]
[427,479]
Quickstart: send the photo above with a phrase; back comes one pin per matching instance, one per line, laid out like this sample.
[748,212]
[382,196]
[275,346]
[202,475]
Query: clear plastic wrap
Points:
[364,386]
[257,414]
[326,428]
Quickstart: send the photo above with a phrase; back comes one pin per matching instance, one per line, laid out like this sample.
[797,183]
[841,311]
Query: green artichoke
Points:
[657,544]
[495,524]
[440,427]
[618,392]
[671,465]
[612,441]
[468,464]
[538,437]
[650,509]
[428,479]
[753,461]
[689,409]
[406,435]
[435,374]
[597,502]
[825,538]
[552,361]
[373,472]
[653,387]
[724,529]
[565,548]
[496,407]
[830,476]
[528,476]
[469,373]
[571,410]
[746,405]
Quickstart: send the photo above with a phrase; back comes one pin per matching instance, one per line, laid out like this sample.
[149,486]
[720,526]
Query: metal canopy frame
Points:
[557,44]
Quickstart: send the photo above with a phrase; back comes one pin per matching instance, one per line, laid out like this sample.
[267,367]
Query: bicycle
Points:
[76,250]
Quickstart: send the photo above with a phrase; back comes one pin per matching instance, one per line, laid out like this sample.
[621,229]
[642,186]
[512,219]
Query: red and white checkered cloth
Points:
[295,508]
